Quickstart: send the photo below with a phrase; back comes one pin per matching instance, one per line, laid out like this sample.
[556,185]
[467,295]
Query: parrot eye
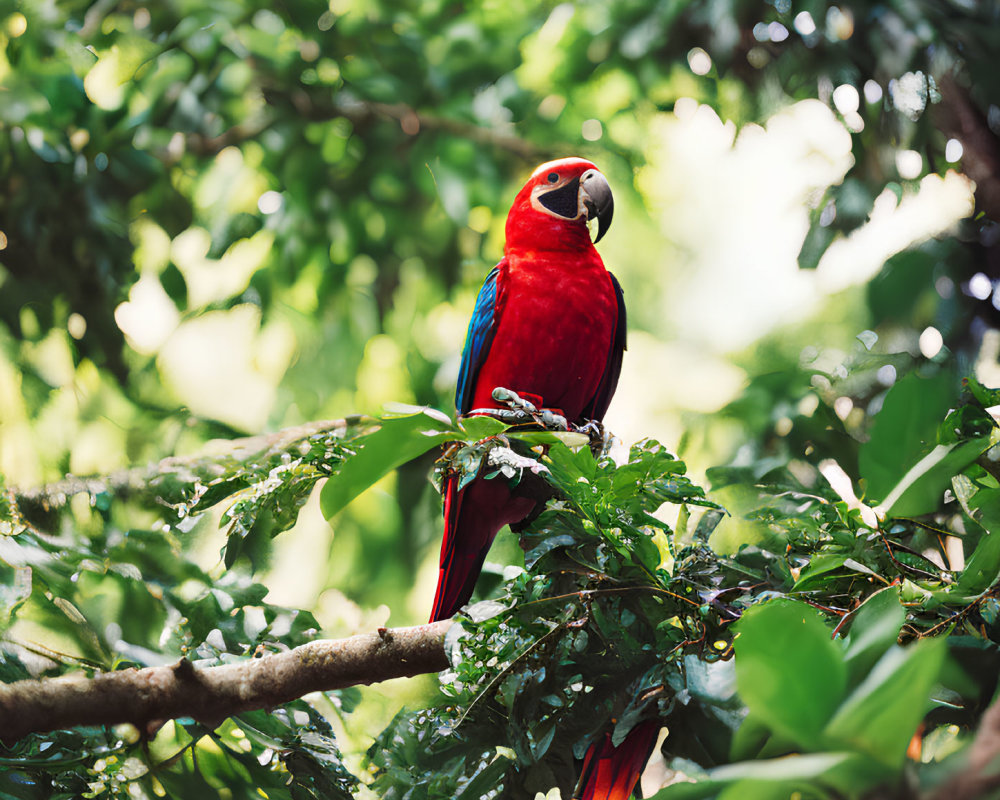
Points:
[553,177]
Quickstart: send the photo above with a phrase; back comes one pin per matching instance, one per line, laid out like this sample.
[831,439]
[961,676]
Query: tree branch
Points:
[212,463]
[148,697]
[362,112]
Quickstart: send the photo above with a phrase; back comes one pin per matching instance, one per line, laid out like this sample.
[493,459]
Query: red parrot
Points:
[549,324]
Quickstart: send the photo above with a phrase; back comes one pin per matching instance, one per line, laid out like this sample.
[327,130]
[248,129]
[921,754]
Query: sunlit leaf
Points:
[920,490]
[904,430]
[398,440]
[875,626]
[788,671]
[880,717]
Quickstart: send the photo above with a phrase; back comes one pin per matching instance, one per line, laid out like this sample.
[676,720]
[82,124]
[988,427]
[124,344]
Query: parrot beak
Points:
[596,196]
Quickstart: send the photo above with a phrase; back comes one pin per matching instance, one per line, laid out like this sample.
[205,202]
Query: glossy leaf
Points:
[905,430]
[881,715]
[788,671]
[397,440]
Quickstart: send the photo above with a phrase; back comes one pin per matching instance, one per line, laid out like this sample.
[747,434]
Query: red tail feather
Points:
[611,773]
[472,518]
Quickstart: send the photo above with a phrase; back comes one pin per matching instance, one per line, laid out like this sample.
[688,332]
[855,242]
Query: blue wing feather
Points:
[482,326]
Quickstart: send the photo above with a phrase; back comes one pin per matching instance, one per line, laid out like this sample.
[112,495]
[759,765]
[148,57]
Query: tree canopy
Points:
[240,219]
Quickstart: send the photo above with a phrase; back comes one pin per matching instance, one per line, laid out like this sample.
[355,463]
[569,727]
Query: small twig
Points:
[206,465]
[906,567]
[586,594]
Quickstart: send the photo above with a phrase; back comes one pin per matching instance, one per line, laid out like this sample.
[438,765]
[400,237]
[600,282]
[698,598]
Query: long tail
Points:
[611,773]
[472,518]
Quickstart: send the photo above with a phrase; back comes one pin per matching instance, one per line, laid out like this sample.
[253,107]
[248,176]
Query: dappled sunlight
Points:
[18,458]
[212,280]
[148,317]
[935,208]
[218,220]
[231,185]
[734,208]
[98,447]
[299,573]
[225,366]
[661,381]
[382,376]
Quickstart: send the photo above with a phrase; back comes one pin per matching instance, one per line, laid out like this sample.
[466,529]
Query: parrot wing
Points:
[482,327]
[598,406]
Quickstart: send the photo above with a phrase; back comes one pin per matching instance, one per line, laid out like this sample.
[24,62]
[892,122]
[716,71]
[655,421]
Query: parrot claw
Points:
[599,442]
[550,419]
[520,409]
[513,400]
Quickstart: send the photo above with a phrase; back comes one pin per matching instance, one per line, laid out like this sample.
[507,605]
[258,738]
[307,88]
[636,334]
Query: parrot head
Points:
[557,202]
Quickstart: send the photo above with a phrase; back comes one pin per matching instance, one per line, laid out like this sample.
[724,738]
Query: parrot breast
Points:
[558,312]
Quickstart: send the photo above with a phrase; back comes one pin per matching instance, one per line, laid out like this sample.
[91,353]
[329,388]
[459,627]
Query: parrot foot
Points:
[600,441]
[521,409]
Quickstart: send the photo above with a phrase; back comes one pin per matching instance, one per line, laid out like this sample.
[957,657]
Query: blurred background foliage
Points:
[220,219]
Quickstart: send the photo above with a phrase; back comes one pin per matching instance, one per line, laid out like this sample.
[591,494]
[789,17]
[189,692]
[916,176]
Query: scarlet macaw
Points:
[549,323]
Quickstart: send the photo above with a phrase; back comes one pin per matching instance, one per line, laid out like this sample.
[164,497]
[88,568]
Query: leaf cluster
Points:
[836,618]
[110,597]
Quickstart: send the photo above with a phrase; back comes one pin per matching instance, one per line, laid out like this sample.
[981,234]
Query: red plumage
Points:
[611,773]
[549,324]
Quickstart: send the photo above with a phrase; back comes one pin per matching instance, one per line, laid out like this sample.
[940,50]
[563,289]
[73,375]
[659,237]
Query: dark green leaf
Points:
[880,717]
[905,430]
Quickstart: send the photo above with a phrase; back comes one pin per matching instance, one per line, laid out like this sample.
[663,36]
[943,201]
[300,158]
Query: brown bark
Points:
[148,697]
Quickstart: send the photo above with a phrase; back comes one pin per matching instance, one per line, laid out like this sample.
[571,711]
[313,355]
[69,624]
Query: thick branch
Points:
[148,697]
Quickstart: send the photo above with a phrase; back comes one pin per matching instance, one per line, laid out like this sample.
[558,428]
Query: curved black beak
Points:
[596,195]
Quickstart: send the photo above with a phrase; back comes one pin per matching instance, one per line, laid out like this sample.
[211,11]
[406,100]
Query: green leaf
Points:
[904,429]
[874,629]
[982,504]
[481,427]
[15,589]
[397,440]
[105,81]
[920,490]
[571,439]
[773,777]
[983,568]
[880,717]
[568,468]
[788,671]
[485,779]
[966,422]
[818,567]
[984,396]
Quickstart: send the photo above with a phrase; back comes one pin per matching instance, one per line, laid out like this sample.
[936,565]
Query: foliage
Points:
[620,618]
[226,218]
[116,598]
